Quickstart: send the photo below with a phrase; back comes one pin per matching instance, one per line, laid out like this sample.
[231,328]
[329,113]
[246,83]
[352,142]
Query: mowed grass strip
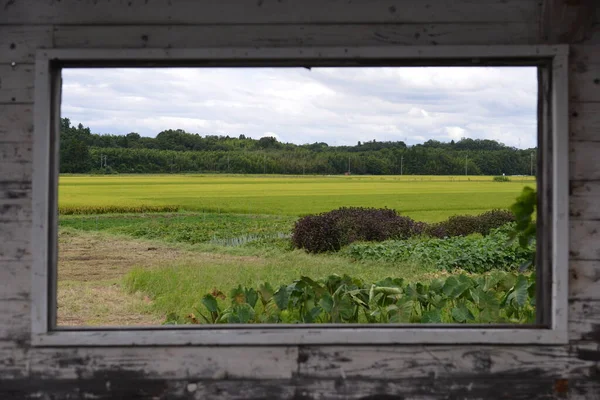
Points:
[178,288]
[425,198]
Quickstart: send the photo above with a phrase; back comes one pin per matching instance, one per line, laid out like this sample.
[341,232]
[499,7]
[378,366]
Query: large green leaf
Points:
[432,317]
[462,314]
[266,293]
[519,294]
[282,297]
[244,312]
[251,296]
[210,302]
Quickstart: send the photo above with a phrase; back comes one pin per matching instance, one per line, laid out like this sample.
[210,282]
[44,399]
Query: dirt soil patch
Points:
[90,266]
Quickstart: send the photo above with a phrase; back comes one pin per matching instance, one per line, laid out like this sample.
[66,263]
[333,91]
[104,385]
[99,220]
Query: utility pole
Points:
[401,164]
[466,167]
[531,163]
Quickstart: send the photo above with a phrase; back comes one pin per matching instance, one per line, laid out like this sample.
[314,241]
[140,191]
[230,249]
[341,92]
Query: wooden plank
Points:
[116,385]
[584,161]
[414,362]
[584,82]
[584,208]
[13,363]
[584,121]
[16,83]
[567,21]
[15,171]
[215,12]
[18,44]
[584,320]
[584,280]
[15,320]
[15,152]
[174,363]
[173,36]
[15,211]
[583,200]
[15,280]
[584,240]
[14,192]
[15,238]
[16,124]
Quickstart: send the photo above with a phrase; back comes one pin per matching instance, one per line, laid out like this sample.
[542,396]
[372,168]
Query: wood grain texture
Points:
[16,124]
[15,280]
[173,36]
[584,280]
[15,240]
[16,83]
[441,362]
[584,161]
[584,240]
[122,385]
[265,11]
[19,44]
[14,320]
[174,363]
[584,121]
[584,83]
[584,320]
[567,21]
[14,192]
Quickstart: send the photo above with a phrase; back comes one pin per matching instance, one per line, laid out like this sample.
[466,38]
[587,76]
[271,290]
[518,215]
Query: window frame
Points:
[553,205]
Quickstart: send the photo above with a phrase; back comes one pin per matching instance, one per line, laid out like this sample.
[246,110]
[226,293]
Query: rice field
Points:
[425,198]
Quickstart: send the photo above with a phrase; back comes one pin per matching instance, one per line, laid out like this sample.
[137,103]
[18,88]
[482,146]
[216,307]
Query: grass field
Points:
[425,198]
[121,266]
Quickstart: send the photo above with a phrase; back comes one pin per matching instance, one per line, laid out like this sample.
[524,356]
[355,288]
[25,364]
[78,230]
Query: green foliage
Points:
[173,151]
[332,230]
[219,229]
[501,178]
[498,297]
[524,209]
[335,229]
[472,253]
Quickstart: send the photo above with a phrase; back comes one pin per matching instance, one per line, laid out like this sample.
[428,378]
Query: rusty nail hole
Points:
[597,81]
[145,38]
[12,46]
[561,386]
[575,114]
[392,9]
[13,99]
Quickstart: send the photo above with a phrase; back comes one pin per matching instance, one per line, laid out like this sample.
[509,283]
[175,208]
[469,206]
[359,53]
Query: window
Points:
[552,202]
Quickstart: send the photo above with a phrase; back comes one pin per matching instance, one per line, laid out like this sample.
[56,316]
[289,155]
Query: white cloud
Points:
[334,105]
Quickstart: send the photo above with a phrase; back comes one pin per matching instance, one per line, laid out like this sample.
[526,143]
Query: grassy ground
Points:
[426,198]
[105,279]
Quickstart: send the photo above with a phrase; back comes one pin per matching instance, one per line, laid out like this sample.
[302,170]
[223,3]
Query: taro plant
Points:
[490,298]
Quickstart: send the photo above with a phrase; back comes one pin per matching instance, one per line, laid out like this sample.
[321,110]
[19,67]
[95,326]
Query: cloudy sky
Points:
[339,106]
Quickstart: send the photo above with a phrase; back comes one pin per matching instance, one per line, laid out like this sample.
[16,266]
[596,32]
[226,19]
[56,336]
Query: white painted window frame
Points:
[45,173]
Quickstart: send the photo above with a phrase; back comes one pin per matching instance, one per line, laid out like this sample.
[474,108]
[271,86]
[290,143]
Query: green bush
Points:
[475,254]
[335,229]
[501,179]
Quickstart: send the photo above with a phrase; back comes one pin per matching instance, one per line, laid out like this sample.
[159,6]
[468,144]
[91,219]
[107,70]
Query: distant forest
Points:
[177,151]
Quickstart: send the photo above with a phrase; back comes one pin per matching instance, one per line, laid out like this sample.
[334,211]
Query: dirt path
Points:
[90,268]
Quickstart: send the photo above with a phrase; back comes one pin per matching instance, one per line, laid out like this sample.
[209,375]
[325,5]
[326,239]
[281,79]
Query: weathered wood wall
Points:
[449,372]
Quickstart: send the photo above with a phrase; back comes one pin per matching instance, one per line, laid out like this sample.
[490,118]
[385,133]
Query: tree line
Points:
[177,151]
